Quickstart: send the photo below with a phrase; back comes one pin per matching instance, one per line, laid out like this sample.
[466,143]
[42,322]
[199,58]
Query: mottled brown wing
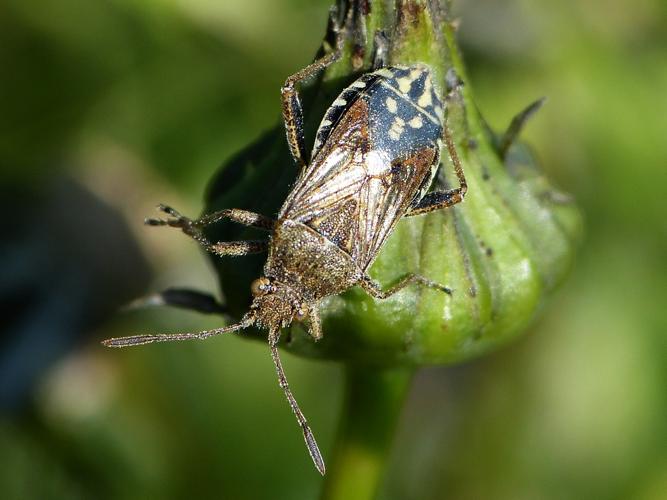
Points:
[354,195]
[386,199]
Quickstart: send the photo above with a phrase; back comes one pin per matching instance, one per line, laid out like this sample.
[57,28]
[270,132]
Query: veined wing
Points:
[326,196]
[386,198]
[354,195]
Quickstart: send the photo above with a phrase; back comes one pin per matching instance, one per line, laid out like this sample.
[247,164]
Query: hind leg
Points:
[374,289]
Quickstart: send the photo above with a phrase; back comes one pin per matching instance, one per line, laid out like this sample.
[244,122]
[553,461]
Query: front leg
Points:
[236,248]
[292,110]
[191,227]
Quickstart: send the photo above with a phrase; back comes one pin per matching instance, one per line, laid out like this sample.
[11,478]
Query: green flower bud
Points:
[502,251]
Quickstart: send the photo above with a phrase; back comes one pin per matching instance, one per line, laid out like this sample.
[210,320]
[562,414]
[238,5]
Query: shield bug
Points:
[375,155]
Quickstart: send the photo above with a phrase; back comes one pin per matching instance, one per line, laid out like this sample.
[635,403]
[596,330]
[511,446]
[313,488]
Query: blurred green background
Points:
[107,108]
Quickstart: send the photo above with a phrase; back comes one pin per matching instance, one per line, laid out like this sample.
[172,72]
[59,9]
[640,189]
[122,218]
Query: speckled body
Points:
[308,262]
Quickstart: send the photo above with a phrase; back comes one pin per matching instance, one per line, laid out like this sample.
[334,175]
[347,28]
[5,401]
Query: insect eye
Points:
[260,287]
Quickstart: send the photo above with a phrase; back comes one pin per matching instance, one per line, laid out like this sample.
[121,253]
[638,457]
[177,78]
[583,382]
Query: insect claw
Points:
[176,220]
[155,222]
[168,210]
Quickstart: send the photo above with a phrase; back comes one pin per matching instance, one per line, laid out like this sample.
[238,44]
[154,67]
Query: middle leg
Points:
[443,199]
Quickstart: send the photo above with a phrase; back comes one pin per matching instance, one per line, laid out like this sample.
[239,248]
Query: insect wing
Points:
[326,197]
[354,194]
[386,198]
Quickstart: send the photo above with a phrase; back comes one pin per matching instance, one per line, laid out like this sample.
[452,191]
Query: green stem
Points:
[373,400]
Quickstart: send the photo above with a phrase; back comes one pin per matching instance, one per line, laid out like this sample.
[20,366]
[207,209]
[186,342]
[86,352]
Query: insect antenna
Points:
[313,449]
[173,337]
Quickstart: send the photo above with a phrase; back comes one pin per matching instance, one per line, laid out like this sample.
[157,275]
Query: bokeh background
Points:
[107,108]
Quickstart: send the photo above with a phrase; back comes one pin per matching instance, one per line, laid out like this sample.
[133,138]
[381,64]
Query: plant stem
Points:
[373,400]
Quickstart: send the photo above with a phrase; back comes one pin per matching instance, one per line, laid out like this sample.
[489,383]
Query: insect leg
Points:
[311,444]
[234,214]
[193,228]
[373,288]
[184,298]
[443,199]
[292,110]
[244,217]
[235,248]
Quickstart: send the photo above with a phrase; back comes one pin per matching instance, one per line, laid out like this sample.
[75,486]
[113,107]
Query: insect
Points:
[375,155]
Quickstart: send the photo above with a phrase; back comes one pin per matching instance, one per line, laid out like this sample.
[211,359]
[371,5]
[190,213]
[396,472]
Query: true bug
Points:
[376,153]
